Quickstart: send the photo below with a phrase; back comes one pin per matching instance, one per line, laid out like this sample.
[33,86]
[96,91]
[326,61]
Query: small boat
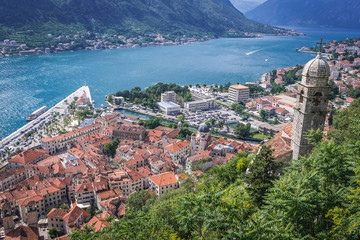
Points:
[266,60]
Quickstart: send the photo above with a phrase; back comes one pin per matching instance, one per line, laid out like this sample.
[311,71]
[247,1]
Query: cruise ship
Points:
[37,113]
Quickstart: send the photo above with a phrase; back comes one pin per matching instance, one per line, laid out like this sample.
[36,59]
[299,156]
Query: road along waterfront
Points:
[13,142]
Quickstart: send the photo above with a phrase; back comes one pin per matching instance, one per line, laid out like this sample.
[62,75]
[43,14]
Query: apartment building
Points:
[169,96]
[200,105]
[239,93]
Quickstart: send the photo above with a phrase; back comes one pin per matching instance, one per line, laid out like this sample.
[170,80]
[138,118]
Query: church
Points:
[310,112]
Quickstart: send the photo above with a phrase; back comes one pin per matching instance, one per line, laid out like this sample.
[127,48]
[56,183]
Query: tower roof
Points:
[204,128]
[317,67]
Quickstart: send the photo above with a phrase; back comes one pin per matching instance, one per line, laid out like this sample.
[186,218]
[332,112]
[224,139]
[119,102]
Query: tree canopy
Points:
[151,95]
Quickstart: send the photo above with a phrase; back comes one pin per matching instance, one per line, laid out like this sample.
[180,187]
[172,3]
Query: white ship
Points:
[37,113]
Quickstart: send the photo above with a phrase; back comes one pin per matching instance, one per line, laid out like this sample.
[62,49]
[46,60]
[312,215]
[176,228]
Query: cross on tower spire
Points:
[321,43]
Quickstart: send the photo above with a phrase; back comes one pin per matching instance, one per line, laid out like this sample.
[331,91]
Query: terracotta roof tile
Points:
[57,213]
[28,156]
[164,179]
[177,146]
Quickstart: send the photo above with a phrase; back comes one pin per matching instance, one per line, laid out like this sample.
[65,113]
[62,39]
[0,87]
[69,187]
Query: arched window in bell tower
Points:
[301,100]
[317,99]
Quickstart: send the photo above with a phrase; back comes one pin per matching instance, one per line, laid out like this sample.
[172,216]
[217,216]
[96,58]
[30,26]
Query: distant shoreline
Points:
[34,52]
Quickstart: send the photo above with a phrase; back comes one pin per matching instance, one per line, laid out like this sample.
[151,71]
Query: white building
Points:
[169,96]
[169,107]
[239,93]
[118,100]
[200,105]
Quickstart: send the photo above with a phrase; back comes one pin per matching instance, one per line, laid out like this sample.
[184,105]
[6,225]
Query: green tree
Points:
[181,117]
[137,200]
[184,133]
[263,114]
[243,130]
[262,172]
[314,137]
[151,123]
[110,148]
[53,233]
[220,124]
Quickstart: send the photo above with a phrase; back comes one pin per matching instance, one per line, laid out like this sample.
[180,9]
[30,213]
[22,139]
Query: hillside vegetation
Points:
[314,198]
[42,17]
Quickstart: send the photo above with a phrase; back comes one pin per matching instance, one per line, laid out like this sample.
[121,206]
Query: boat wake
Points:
[249,53]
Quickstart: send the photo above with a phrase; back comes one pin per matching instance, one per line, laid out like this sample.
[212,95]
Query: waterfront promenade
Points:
[61,108]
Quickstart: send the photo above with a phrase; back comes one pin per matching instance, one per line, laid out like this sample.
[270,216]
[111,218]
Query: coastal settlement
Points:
[87,162]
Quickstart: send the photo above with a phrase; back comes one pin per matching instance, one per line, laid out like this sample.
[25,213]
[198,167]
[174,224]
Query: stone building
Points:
[201,140]
[128,131]
[311,104]
[164,182]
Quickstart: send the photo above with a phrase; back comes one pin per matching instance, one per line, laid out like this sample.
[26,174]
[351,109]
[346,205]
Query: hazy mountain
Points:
[212,16]
[246,5]
[312,13]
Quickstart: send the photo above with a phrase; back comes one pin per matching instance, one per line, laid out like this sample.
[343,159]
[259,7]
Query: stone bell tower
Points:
[32,215]
[7,218]
[311,104]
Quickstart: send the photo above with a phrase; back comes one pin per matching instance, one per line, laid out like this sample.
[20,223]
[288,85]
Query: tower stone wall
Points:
[7,218]
[311,105]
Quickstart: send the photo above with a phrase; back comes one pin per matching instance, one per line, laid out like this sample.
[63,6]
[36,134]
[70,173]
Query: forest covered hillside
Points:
[123,16]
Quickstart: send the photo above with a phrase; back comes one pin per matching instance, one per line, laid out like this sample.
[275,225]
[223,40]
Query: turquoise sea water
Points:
[29,82]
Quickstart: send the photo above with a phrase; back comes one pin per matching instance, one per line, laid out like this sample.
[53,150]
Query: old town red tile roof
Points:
[57,213]
[98,222]
[288,129]
[28,156]
[177,146]
[74,214]
[86,187]
[155,133]
[281,147]
[23,233]
[69,134]
[164,179]
[110,194]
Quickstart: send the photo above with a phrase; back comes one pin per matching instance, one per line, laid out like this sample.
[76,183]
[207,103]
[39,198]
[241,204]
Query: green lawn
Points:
[261,136]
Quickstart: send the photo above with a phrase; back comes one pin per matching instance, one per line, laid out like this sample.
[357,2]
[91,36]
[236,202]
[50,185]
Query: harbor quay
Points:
[15,141]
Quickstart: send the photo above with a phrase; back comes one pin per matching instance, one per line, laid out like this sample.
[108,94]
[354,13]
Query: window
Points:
[301,100]
[317,100]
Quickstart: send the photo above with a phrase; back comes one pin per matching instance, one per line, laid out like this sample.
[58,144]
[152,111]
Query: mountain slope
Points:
[246,5]
[211,16]
[313,13]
